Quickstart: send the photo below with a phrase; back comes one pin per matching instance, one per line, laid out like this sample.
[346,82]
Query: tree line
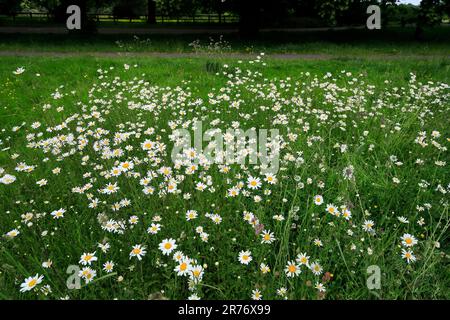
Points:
[253,14]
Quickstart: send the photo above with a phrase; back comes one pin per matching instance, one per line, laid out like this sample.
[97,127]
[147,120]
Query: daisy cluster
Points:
[95,186]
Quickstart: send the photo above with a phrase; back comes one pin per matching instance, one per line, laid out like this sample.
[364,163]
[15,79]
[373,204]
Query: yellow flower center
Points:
[32,283]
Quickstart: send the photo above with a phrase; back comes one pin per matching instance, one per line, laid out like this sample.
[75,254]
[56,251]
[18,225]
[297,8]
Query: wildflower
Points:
[292,269]
[319,286]
[41,182]
[191,214]
[108,266]
[278,217]
[58,213]
[270,178]
[7,179]
[302,259]
[256,294]
[104,247]
[408,256]
[331,208]
[282,292]
[216,218]
[204,236]
[245,257]
[19,70]
[316,268]
[154,228]
[346,214]
[148,145]
[126,165]
[368,225]
[87,258]
[183,267]
[138,251]
[267,237]
[201,186]
[318,199]
[31,282]
[408,240]
[196,273]
[47,264]
[87,274]
[264,268]
[167,246]
[12,234]
[233,192]
[178,256]
[318,243]
[194,296]
[253,183]
[110,188]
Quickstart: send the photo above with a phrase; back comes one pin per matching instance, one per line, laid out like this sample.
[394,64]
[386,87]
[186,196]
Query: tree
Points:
[129,8]
[151,11]
[249,12]
[9,7]
[430,14]
[178,7]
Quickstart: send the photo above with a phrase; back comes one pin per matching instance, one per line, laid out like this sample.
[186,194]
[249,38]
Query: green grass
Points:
[372,195]
[391,41]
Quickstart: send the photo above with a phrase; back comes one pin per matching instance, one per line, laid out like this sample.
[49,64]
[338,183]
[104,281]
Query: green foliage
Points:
[9,7]
[432,11]
[129,8]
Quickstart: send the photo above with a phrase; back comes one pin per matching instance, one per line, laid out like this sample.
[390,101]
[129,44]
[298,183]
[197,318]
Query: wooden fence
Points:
[99,17]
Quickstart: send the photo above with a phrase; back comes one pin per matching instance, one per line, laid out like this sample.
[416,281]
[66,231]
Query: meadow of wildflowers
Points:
[95,206]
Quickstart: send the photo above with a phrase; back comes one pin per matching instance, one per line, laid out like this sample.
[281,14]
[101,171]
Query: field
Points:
[352,203]
[342,43]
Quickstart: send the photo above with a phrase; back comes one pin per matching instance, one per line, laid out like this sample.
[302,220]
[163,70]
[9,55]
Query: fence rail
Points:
[99,17]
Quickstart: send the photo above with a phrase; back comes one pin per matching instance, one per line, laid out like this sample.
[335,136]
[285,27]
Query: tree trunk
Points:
[151,11]
[418,34]
[249,18]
